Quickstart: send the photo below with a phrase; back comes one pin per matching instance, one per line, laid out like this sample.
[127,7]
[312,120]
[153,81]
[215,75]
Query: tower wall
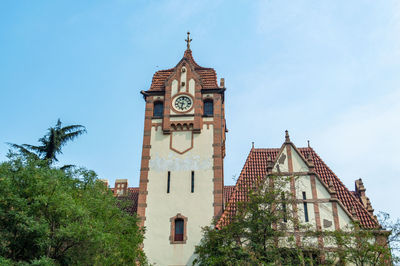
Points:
[197,206]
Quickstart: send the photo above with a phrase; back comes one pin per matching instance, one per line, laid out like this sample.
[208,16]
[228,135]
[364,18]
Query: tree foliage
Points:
[51,143]
[257,234]
[365,246]
[53,217]
[266,231]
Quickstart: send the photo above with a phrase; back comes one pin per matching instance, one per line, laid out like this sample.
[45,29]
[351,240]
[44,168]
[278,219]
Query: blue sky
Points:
[328,71]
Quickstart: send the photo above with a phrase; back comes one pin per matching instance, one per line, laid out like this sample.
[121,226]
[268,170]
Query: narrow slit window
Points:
[305,207]
[192,184]
[179,229]
[284,207]
[168,181]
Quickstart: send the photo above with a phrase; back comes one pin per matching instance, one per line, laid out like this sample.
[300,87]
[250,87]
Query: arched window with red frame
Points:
[178,233]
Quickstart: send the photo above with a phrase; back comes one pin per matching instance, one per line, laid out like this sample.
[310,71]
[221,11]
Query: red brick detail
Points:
[293,192]
[335,216]
[316,211]
[218,166]
[142,198]
[170,145]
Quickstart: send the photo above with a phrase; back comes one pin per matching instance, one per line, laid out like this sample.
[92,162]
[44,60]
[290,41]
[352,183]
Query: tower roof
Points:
[208,76]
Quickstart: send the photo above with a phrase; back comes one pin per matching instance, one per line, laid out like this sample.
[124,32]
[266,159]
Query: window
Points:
[208,107]
[305,207]
[284,207]
[158,109]
[168,181]
[312,257]
[192,187]
[178,234]
[179,229]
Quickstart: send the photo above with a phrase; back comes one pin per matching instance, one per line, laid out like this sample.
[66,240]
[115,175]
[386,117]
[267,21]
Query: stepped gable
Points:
[208,76]
[256,166]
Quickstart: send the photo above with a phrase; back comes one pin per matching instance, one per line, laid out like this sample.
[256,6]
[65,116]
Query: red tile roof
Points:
[227,193]
[208,76]
[132,196]
[256,167]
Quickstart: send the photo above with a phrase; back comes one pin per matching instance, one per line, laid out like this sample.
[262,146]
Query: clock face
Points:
[183,103]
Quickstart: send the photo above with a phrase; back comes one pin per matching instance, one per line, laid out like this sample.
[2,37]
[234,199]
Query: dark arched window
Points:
[179,229]
[158,109]
[208,107]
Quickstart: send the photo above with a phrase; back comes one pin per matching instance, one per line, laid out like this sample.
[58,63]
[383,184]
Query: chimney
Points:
[121,187]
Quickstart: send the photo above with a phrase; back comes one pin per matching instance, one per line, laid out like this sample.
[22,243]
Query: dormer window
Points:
[158,109]
[208,105]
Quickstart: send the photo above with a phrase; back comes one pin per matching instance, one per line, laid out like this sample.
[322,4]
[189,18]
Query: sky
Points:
[327,71]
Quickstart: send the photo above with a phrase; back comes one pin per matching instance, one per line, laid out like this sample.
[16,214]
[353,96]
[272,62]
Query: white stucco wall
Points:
[298,164]
[282,162]
[161,206]
[303,184]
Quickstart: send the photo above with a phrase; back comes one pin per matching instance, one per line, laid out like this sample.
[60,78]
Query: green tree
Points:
[53,217]
[260,233]
[264,228]
[51,143]
[366,246]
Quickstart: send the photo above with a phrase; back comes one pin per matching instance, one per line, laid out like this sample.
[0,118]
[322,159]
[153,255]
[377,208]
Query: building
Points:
[182,180]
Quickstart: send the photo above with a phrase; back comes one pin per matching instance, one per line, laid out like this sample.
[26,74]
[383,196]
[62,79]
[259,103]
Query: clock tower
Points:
[181,174]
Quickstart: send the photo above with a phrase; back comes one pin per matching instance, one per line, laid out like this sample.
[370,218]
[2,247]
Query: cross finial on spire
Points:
[188,40]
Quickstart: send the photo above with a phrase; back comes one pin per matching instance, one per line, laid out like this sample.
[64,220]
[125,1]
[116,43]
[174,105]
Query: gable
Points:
[288,152]
[256,166]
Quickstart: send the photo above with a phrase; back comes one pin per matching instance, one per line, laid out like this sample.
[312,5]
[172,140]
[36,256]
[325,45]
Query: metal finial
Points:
[252,144]
[188,40]
[308,143]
